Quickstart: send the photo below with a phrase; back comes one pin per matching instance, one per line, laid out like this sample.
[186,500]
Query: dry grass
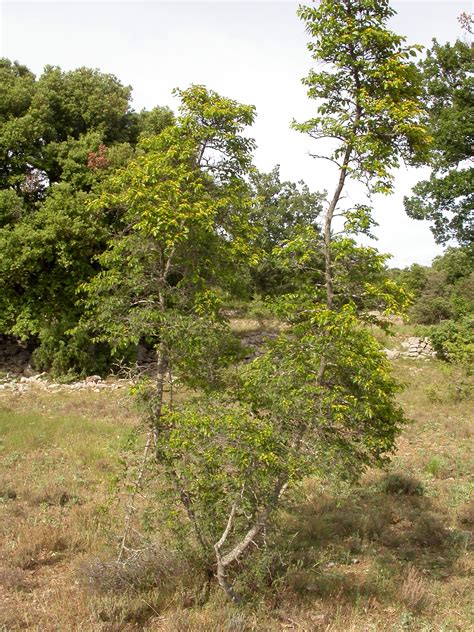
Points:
[390,554]
[413,592]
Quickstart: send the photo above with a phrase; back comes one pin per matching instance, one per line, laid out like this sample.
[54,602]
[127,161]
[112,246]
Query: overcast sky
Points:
[254,52]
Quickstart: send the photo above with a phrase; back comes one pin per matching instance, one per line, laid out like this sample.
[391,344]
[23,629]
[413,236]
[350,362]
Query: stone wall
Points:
[414,348]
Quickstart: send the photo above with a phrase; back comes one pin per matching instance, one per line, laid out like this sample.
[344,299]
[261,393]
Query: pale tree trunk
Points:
[224,561]
[328,228]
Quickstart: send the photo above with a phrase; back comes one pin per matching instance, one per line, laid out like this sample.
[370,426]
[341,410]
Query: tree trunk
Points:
[328,228]
[157,411]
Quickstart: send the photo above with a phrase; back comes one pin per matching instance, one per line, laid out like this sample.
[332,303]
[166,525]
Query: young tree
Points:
[184,202]
[321,399]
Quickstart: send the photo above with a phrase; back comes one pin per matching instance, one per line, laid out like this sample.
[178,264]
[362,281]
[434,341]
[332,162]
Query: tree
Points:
[42,115]
[321,399]
[17,90]
[182,198]
[324,385]
[282,211]
[61,135]
[184,201]
[186,205]
[446,198]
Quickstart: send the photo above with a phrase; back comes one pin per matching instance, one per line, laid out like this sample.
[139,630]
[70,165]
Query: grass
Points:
[392,553]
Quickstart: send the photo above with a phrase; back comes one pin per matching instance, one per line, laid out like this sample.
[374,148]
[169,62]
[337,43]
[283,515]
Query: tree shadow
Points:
[364,544]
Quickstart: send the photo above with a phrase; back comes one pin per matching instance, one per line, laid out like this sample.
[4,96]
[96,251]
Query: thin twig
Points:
[136,487]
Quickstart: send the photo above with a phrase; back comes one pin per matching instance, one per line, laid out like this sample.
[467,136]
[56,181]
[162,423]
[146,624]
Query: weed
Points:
[466,514]
[38,545]
[433,394]
[13,578]
[53,495]
[141,573]
[429,531]
[8,494]
[238,623]
[435,466]
[413,591]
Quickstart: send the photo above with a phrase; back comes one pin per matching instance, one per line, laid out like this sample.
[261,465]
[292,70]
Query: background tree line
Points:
[63,135]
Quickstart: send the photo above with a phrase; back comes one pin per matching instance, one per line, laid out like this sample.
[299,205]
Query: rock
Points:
[92,379]
[392,354]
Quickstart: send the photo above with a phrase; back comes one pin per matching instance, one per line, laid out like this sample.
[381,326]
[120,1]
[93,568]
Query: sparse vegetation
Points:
[372,556]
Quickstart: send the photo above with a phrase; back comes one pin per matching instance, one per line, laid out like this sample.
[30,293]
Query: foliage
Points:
[446,197]
[41,117]
[184,202]
[282,211]
[454,341]
[42,262]
[444,302]
[370,97]
[220,452]
[360,278]
[61,135]
[444,291]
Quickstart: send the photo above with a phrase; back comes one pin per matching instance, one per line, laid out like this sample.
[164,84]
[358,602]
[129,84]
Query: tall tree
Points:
[446,198]
[41,115]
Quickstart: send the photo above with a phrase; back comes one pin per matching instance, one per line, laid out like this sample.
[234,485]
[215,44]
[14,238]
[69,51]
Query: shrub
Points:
[65,354]
[429,531]
[466,514]
[143,572]
[454,341]
[435,466]
[402,484]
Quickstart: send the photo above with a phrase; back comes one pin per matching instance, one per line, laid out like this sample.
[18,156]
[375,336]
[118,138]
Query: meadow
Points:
[389,553]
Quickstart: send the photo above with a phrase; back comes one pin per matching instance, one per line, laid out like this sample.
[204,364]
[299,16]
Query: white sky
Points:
[254,52]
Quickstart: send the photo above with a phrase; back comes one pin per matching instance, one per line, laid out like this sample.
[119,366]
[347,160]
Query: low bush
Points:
[398,483]
[140,573]
[454,341]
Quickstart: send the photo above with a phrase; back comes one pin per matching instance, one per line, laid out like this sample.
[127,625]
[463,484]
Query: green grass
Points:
[26,432]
